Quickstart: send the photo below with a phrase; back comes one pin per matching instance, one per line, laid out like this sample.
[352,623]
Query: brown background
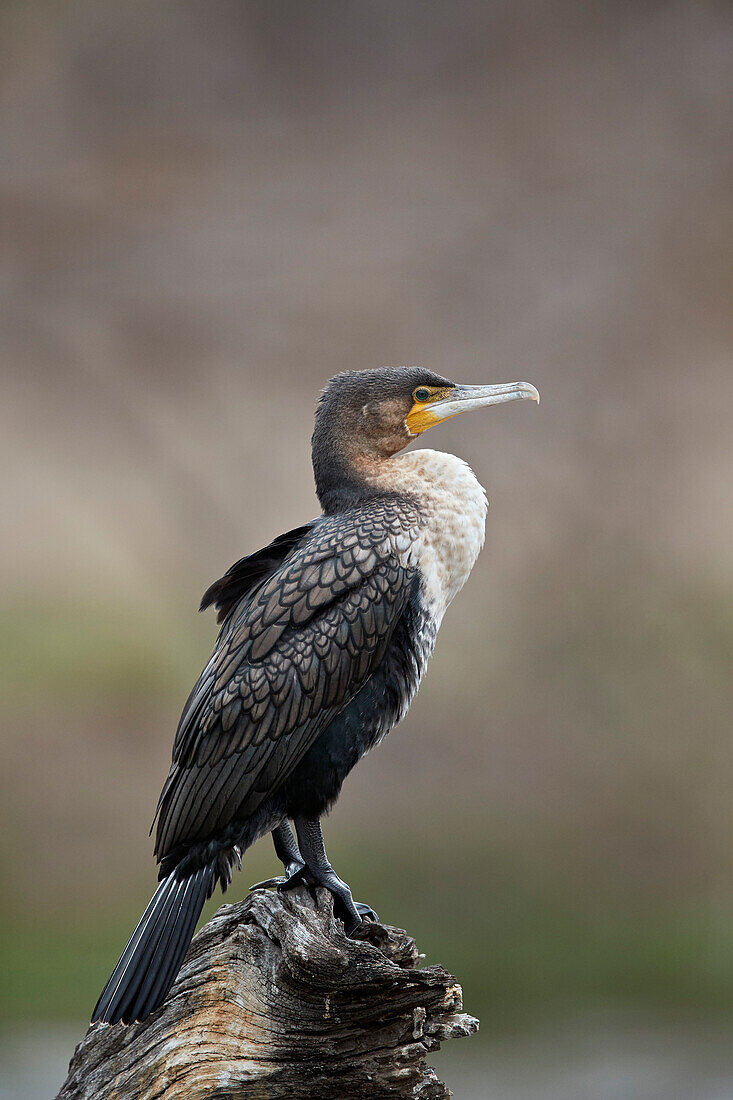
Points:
[208,209]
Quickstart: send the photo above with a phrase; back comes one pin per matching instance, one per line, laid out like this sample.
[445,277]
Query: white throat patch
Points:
[449,539]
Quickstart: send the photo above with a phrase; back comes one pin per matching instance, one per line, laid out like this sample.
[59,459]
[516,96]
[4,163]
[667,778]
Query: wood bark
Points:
[274,1000]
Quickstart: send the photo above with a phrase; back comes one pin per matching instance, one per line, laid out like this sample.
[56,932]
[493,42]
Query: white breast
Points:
[448,541]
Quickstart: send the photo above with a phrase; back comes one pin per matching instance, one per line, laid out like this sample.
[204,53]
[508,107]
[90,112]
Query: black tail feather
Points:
[156,987]
[116,984]
[148,957]
[150,963]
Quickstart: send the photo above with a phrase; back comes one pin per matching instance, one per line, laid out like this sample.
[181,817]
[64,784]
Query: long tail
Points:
[149,964]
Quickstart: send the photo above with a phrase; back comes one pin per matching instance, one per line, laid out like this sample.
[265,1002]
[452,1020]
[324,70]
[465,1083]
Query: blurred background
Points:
[207,209]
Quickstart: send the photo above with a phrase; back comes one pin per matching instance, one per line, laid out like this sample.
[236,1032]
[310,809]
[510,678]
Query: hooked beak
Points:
[462,398]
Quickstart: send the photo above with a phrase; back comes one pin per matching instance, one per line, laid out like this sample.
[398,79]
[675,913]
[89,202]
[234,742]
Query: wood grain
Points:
[274,1000]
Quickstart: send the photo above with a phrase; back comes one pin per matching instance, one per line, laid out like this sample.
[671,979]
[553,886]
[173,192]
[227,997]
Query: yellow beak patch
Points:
[422,415]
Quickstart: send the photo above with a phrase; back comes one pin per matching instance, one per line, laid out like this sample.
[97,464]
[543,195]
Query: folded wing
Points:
[291,654]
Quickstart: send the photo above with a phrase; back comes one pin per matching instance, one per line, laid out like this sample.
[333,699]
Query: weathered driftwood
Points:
[275,1001]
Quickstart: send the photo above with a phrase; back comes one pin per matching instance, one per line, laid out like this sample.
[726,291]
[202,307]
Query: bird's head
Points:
[369,415]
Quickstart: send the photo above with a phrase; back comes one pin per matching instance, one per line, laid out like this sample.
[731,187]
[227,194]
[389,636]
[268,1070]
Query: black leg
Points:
[287,851]
[321,873]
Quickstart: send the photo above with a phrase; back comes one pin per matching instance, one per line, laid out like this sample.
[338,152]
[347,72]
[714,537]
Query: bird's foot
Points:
[351,912]
[365,911]
[294,876]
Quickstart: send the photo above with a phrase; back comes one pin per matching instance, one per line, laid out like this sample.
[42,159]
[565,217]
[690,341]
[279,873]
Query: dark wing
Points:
[248,572]
[287,660]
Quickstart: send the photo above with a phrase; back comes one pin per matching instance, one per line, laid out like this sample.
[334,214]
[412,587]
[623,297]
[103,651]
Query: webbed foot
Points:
[365,911]
[292,877]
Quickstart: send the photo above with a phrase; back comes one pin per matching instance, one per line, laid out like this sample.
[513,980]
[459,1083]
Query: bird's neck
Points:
[434,478]
[345,476]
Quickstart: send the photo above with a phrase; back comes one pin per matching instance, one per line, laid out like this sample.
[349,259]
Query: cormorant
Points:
[325,635]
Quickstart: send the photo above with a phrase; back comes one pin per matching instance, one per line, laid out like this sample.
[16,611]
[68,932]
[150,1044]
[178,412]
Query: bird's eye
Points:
[421,394]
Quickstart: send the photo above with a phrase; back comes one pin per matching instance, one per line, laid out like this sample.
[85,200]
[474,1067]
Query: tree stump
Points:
[274,1001]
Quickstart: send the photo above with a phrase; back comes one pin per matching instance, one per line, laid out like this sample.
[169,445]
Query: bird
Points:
[324,638]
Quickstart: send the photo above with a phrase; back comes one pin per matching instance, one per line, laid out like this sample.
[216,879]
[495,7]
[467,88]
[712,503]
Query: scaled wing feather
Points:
[290,655]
